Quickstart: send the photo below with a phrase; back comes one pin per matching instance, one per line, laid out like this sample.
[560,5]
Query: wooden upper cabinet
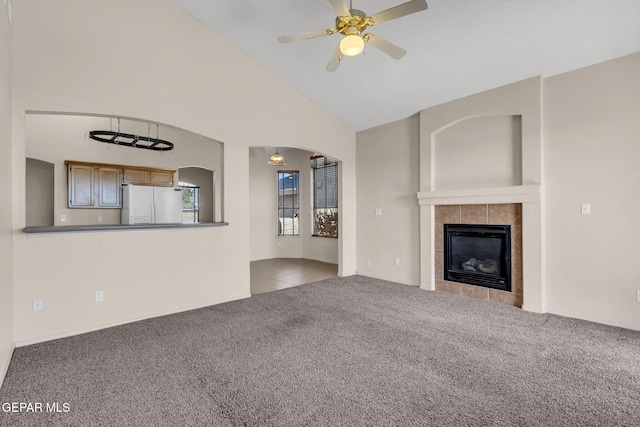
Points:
[92,186]
[144,176]
[137,176]
[109,188]
[162,178]
[98,185]
[81,179]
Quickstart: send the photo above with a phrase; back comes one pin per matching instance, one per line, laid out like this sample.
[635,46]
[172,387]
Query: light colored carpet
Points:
[345,351]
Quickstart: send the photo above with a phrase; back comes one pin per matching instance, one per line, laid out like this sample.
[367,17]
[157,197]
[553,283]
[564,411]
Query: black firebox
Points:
[478,255]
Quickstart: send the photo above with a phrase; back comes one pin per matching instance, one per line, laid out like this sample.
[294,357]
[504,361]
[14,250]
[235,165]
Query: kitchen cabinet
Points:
[146,176]
[93,186]
[99,185]
[136,176]
[109,191]
[162,178]
[81,180]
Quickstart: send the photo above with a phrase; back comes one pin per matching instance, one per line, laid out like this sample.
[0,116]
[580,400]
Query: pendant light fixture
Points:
[277,159]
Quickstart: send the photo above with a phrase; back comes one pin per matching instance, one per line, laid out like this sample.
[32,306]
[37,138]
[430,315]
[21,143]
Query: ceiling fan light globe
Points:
[351,45]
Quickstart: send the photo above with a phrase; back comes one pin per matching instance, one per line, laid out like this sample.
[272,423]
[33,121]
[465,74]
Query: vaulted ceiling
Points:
[455,48]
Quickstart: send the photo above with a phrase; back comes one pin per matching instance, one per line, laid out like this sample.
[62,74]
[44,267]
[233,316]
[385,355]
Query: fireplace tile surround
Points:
[502,214]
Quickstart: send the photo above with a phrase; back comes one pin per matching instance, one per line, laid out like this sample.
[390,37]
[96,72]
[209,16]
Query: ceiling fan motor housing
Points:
[358,20]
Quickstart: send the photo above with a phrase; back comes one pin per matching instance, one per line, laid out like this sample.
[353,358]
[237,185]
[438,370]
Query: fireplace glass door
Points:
[478,255]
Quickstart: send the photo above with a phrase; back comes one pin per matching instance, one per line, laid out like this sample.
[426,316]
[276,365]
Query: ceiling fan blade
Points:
[304,36]
[387,47]
[340,8]
[399,11]
[335,60]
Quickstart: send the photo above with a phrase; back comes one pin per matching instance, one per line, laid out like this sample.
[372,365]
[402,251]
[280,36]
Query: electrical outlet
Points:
[38,305]
[99,218]
[638,295]
[396,261]
[378,211]
[367,263]
[99,296]
[585,208]
[63,218]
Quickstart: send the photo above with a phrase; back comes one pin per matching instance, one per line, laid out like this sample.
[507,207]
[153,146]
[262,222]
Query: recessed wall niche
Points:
[479,152]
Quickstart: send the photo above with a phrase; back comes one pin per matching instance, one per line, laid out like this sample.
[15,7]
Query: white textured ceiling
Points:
[455,48]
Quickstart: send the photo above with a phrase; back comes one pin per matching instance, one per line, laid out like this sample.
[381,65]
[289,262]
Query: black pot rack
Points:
[130,140]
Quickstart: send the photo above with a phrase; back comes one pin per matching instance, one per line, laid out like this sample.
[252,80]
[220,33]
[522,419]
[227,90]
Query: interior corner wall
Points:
[6,195]
[591,130]
[180,73]
[40,191]
[388,178]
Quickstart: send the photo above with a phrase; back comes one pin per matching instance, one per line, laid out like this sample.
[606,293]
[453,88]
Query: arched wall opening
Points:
[265,241]
[57,138]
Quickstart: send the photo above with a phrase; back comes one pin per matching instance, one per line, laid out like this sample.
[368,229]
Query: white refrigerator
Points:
[144,204]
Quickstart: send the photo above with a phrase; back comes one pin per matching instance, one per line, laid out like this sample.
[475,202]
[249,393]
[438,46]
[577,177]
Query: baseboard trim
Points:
[30,341]
[594,319]
[389,279]
[346,273]
[532,309]
[4,363]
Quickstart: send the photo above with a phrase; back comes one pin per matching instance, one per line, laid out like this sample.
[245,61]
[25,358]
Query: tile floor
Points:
[279,273]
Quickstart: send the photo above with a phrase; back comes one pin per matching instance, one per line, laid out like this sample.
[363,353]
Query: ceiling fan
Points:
[351,23]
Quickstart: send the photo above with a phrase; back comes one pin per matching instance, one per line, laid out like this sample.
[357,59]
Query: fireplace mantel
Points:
[511,194]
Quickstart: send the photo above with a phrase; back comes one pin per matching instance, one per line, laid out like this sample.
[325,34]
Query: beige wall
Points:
[6,257]
[265,242]
[388,175]
[178,73]
[591,133]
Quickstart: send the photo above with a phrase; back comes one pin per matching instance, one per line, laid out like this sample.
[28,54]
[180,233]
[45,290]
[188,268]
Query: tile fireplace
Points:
[457,272]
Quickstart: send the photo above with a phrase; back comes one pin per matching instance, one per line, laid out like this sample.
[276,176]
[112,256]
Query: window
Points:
[190,202]
[288,209]
[325,196]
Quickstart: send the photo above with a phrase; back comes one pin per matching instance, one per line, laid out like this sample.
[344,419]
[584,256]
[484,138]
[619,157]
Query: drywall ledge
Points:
[120,228]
